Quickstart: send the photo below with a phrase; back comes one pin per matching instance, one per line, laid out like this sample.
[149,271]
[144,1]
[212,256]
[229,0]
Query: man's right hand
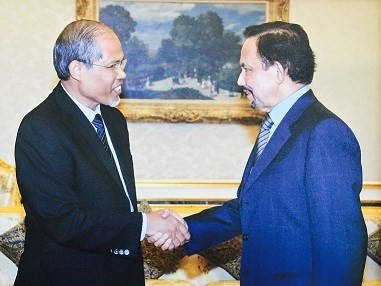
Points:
[166,229]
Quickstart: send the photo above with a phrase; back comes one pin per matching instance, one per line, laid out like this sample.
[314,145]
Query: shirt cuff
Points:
[144,227]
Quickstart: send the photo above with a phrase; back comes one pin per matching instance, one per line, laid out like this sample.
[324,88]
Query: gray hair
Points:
[78,42]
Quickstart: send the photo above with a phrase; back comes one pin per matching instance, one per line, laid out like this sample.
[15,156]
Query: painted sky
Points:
[154,19]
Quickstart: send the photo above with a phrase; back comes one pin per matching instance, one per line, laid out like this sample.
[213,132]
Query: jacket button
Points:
[245,237]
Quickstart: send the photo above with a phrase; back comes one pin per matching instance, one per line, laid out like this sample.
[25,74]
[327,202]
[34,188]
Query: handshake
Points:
[166,229]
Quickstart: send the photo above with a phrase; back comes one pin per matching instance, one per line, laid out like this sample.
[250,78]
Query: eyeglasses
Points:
[115,66]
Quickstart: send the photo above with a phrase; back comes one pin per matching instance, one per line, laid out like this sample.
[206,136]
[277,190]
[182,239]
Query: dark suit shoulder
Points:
[308,113]
[49,107]
[57,116]
[317,117]
[316,113]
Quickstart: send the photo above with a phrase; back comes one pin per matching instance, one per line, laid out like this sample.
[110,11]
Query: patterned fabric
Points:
[374,246]
[226,255]
[263,136]
[12,242]
[98,123]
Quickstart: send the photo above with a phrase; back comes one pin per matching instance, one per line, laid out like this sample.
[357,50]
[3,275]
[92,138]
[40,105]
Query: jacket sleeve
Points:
[333,184]
[213,226]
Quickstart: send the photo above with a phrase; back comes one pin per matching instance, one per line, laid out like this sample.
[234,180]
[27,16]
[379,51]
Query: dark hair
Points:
[287,44]
[77,41]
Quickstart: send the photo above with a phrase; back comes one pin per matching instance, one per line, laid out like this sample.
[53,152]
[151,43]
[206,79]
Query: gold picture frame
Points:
[216,111]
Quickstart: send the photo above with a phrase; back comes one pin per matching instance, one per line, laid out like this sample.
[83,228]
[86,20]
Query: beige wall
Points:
[346,37]
[28,30]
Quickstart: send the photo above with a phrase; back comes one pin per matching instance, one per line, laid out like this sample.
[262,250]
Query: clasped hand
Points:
[166,229]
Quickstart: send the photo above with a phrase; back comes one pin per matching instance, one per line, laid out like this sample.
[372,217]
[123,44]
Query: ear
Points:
[281,73]
[75,69]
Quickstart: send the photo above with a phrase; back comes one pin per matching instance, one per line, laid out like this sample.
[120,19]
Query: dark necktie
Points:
[263,136]
[98,123]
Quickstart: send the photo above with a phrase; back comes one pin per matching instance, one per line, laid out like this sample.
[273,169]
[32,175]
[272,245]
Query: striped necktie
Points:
[263,136]
[98,123]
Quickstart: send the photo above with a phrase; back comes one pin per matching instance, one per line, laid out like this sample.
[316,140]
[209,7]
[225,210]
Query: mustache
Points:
[247,92]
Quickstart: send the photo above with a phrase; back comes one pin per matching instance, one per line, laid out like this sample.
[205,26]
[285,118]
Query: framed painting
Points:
[183,56]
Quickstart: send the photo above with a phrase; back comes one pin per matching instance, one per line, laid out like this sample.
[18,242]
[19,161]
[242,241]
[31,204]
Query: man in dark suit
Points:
[77,186]
[297,207]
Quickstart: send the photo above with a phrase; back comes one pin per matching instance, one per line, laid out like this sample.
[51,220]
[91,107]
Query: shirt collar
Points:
[88,112]
[280,110]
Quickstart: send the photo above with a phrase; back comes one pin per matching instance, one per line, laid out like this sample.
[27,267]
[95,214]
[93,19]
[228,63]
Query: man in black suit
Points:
[77,186]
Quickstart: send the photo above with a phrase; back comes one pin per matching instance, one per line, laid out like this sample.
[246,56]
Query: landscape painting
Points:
[183,56]
[185,51]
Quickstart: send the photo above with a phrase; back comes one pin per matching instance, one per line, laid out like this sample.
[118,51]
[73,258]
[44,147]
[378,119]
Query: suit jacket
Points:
[299,209]
[79,227]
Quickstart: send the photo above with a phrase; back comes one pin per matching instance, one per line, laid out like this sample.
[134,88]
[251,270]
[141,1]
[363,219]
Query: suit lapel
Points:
[83,130]
[280,137]
[121,146]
